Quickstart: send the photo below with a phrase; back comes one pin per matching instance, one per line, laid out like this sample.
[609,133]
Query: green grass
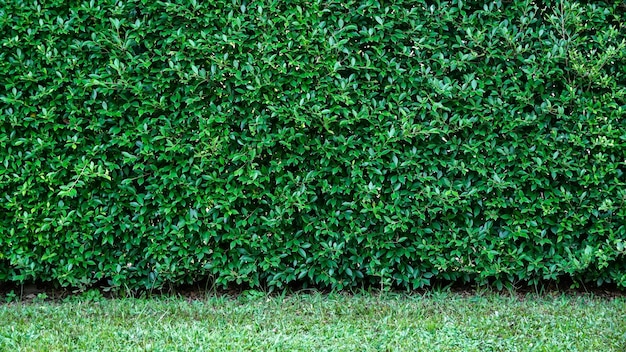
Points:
[315,322]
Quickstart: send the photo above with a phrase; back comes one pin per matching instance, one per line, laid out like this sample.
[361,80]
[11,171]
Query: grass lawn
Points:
[316,322]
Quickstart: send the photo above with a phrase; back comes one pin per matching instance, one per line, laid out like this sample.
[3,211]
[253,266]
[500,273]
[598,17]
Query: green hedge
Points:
[325,143]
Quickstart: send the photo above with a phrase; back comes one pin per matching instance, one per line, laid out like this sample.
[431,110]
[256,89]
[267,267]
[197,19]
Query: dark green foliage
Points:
[330,143]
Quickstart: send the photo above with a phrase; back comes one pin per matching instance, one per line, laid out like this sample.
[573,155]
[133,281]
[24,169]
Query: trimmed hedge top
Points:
[327,143]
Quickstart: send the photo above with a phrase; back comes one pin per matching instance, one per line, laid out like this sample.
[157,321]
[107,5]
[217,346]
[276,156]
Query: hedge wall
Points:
[325,143]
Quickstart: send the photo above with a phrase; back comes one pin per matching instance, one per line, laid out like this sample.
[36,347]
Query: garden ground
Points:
[254,321]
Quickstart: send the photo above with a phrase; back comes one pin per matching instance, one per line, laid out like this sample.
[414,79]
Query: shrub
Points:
[330,143]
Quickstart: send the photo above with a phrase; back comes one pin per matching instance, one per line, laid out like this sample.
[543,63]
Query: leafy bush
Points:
[331,143]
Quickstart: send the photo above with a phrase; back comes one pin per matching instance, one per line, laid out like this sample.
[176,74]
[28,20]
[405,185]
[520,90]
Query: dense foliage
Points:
[330,143]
